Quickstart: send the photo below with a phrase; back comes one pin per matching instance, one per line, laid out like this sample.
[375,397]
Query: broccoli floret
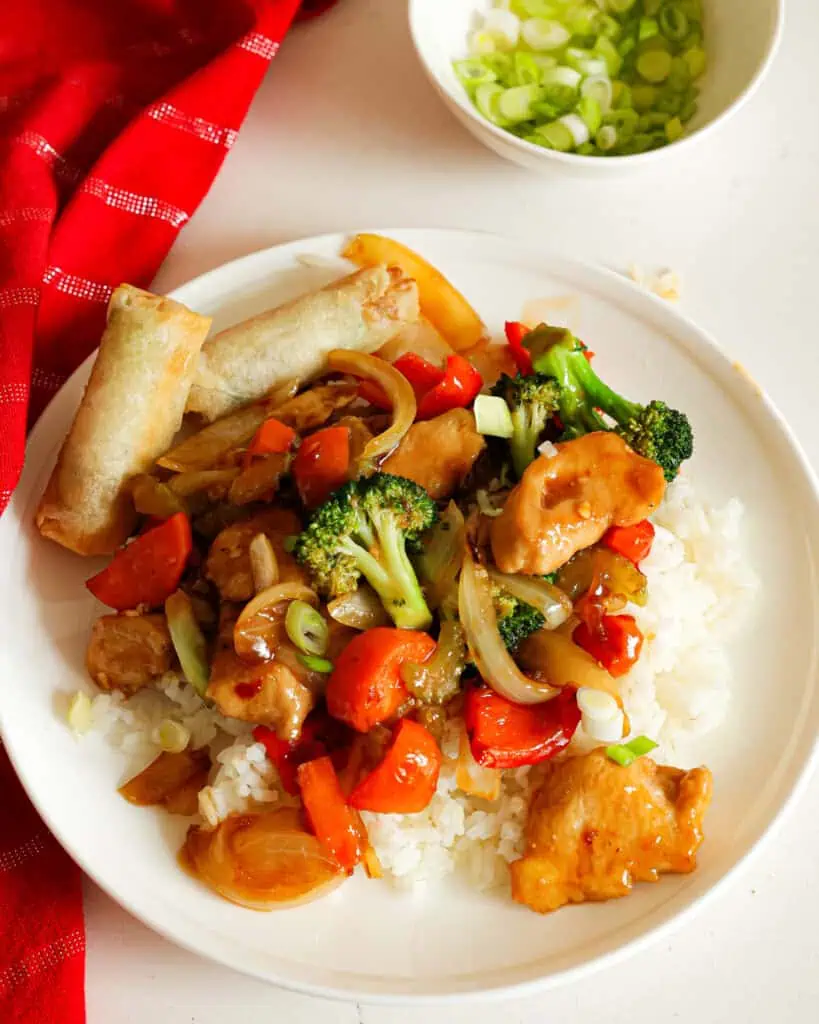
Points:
[654,431]
[364,529]
[516,619]
[532,401]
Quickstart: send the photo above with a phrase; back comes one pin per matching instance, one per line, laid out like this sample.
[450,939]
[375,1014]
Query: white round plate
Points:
[367,941]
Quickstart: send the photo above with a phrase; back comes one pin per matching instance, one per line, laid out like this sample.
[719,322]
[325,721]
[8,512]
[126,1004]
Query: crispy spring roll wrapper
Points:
[132,407]
[241,364]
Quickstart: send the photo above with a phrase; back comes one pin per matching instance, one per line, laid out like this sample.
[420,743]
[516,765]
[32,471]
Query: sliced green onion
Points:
[673,22]
[80,717]
[654,66]
[315,664]
[473,72]
[643,97]
[504,26]
[543,34]
[556,136]
[651,7]
[188,641]
[598,88]
[527,68]
[620,6]
[585,61]
[625,754]
[487,98]
[481,43]
[307,628]
[673,129]
[515,105]
[606,49]
[589,109]
[492,416]
[649,27]
[696,61]
[171,736]
[577,127]
[568,77]
[606,138]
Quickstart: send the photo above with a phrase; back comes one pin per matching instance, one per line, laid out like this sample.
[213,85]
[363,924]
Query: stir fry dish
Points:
[393,565]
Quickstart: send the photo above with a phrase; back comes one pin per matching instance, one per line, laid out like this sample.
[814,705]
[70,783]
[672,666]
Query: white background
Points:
[346,133]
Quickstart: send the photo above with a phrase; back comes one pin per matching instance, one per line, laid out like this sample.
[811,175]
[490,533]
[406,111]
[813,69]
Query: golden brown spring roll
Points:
[132,407]
[241,364]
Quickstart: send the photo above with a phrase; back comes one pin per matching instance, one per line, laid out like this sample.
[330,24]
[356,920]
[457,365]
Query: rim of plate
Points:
[575,159]
[793,790]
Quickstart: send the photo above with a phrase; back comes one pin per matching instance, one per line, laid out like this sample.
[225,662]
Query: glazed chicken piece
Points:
[278,693]
[312,408]
[438,453]
[595,828]
[360,434]
[228,561]
[127,652]
[566,502]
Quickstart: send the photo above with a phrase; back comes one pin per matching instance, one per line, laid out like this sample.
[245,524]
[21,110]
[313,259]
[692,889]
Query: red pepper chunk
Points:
[322,464]
[405,779]
[365,687]
[337,825]
[507,735]
[147,570]
[458,389]
[632,542]
[372,392]
[272,438]
[321,735]
[515,333]
[616,645]
[422,375]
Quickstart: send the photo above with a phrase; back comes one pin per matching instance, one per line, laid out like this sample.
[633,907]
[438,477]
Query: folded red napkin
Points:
[115,116]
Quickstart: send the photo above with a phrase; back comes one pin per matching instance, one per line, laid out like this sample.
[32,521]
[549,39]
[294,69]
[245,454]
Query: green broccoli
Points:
[532,401]
[365,528]
[654,431]
[516,619]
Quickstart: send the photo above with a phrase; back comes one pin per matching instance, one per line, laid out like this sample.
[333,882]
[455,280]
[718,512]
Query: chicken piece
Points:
[312,408]
[228,561]
[595,828]
[127,652]
[566,502]
[278,693]
[171,780]
[360,434]
[438,453]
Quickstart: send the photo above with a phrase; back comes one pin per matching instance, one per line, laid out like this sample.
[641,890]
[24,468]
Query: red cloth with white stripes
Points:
[114,119]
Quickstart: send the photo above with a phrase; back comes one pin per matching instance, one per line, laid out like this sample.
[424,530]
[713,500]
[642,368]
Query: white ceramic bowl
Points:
[741,39]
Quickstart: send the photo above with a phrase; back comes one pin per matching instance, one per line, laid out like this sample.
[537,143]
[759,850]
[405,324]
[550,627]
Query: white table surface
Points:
[346,133]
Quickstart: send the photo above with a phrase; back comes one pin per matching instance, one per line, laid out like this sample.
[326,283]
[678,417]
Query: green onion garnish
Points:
[315,664]
[561,75]
[307,628]
[625,754]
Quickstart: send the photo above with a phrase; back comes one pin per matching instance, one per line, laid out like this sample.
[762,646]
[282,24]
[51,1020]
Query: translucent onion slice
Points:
[263,861]
[360,609]
[153,498]
[188,640]
[440,561]
[263,563]
[398,390]
[549,600]
[202,450]
[554,656]
[258,629]
[195,480]
[495,664]
[473,779]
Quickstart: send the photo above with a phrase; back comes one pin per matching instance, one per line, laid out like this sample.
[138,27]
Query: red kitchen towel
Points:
[115,116]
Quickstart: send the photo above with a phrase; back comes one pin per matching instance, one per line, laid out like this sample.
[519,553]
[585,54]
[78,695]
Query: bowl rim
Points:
[580,160]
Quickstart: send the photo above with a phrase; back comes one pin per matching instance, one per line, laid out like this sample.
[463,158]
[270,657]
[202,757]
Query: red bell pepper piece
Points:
[458,389]
[273,437]
[422,375]
[515,333]
[365,687]
[616,645]
[372,392]
[632,542]
[507,735]
[147,570]
[322,464]
[404,781]
[337,825]
[320,736]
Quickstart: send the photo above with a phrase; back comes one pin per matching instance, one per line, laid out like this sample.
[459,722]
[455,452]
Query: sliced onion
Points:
[360,609]
[473,779]
[549,600]
[202,450]
[495,664]
[197,480]
[259,626]
[257,480]
[398,390]
[262,861]
[165,776]
[153,498]
[554,656]
[440,561]
[263,563]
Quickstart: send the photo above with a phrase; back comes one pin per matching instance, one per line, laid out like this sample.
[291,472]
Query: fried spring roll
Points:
[242,364]
[132,407]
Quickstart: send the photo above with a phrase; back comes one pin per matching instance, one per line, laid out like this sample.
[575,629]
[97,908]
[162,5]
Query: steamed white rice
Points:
[699,587]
